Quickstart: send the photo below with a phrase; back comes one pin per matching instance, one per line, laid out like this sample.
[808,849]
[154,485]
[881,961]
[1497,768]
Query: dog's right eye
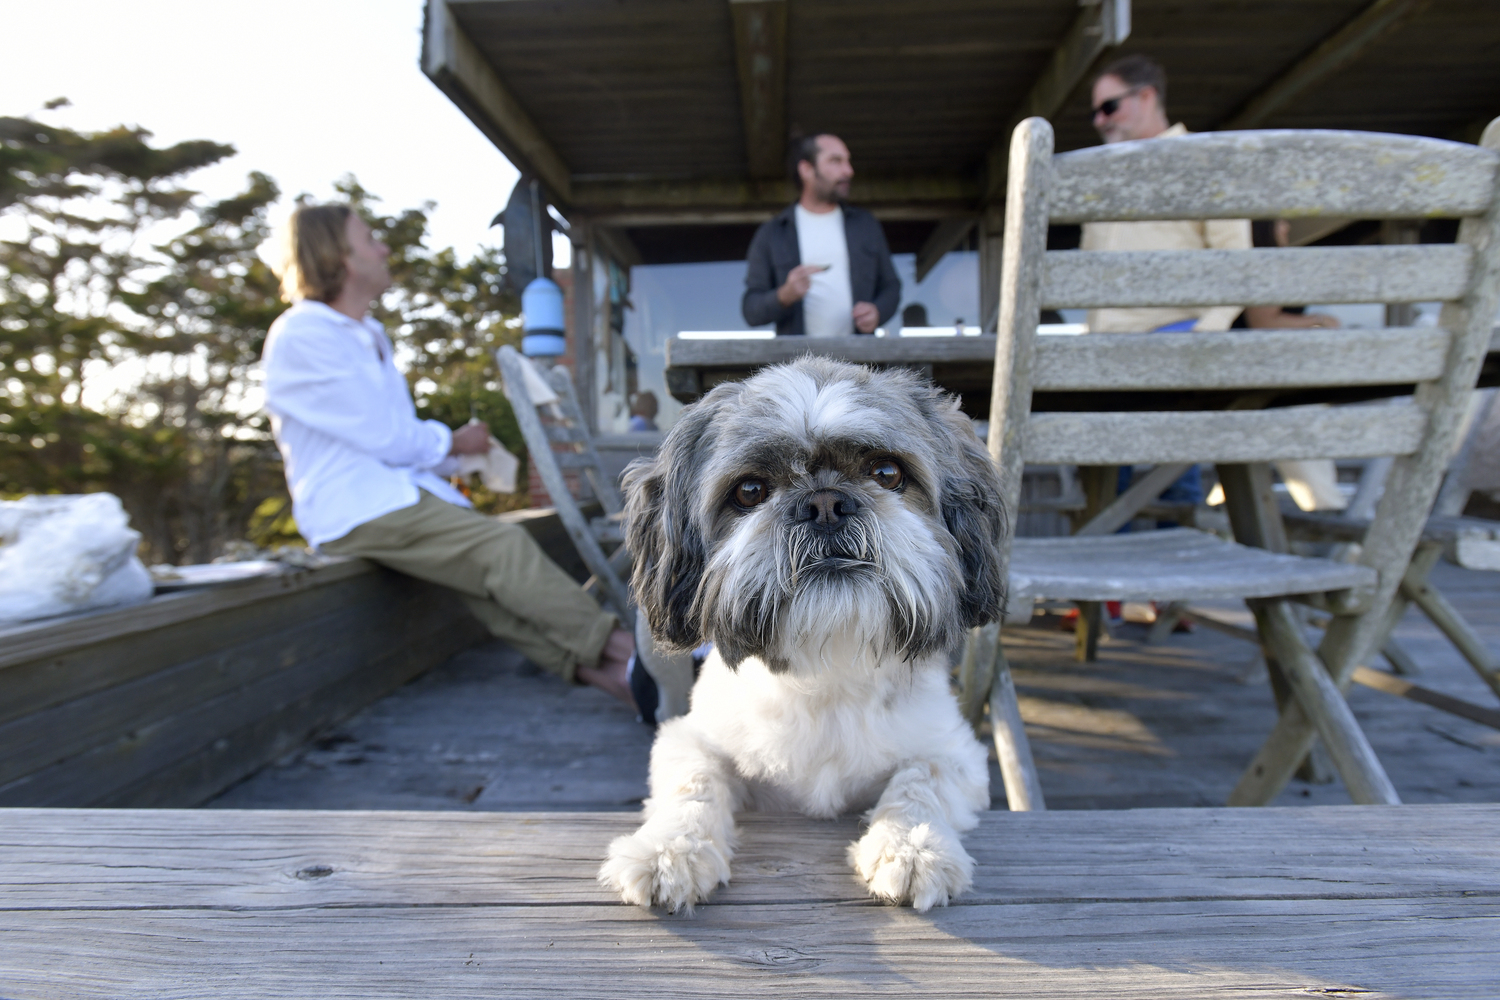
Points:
[750,493]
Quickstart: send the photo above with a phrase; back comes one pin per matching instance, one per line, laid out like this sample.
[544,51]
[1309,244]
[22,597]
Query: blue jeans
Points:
[1189,486]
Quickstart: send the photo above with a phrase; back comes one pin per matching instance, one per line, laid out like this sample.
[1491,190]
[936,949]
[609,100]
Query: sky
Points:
[306,90]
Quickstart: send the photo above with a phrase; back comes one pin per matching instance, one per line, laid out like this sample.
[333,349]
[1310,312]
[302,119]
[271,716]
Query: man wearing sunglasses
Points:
[1129,103]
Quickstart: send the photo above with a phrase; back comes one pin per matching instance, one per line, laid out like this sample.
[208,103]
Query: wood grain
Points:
[1180,564]
[1222,436]
[1077,279]
[1240,359]
[1274,174]
[1196,903]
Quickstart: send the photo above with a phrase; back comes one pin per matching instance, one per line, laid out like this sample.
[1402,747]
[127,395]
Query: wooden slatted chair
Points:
[1243,175]
[561,442]
[1471,542]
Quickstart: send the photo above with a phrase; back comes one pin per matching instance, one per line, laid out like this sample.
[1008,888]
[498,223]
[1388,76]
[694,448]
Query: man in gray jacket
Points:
[821,268]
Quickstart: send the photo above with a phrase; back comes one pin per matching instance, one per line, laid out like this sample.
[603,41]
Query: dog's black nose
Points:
[827,509]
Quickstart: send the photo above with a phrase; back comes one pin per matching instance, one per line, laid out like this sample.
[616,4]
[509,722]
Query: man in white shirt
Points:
[367,478]
[821,268]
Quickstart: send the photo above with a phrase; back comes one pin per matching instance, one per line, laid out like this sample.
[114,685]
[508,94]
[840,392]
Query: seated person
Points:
[367,477]
[643,411]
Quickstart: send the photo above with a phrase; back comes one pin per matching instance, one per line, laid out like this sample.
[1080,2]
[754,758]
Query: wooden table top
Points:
[1381,901]
[965,366]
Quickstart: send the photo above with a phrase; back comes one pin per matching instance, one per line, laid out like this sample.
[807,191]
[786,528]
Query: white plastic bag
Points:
[61,554]
[497,467]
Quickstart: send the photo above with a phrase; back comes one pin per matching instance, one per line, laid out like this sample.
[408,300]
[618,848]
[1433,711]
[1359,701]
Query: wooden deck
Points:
[1161,726]
[1375,901]
[443,843]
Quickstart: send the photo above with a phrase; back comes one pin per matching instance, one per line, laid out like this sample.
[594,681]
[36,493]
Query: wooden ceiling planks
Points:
[639,87]
[643,96]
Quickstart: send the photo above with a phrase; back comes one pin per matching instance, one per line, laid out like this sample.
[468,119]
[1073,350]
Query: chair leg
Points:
[976,671]
[1165,622]
[1321,702]
[1446,617]
[1023,791]
[1400,660]
[1086,631]
[1315,768]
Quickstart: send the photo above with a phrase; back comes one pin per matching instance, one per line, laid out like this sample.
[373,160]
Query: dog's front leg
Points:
[911,852]
[683,849]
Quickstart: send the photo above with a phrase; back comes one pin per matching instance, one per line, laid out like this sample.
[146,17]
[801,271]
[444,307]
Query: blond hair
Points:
[314,245]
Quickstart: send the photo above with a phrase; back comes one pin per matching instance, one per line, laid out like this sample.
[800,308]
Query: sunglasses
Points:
[1109,107]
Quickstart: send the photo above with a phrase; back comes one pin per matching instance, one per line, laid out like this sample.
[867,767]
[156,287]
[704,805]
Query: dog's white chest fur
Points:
[826,744]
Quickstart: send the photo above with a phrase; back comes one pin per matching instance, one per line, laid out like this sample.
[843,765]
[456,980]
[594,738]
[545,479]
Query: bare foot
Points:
[609,675]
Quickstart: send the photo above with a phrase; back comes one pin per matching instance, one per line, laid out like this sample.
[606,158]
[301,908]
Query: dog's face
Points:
[817,497]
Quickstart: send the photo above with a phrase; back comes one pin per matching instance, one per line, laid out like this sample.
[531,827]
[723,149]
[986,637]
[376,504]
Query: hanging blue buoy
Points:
[542,319]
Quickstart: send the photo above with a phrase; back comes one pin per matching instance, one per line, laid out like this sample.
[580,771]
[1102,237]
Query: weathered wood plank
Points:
[747,353]
[1245,951]
[87,670]
[1086,363]
[63,859]
[1172,565]
[1222,436]
[1170,903]
[1274,174]
[107,747]
[158,681]
[52,636]
[236,753]
[1240,359]
[1075,279]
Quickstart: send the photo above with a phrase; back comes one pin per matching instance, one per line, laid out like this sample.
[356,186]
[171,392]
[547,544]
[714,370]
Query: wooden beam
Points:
[616,244]
[452,61]
[1100,26]
[1326,58]
[948,234]
[936,195]
[760,53]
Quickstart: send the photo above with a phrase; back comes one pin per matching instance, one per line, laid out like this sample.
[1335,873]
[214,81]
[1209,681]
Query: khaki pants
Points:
[510,584]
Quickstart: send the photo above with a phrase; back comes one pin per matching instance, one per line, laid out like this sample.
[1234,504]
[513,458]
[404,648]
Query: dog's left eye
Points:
[887,473]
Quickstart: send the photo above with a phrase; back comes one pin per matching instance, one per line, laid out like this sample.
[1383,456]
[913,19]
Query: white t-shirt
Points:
[828,308]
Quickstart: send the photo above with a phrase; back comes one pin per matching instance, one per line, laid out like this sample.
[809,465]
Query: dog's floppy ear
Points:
[666,544]
[974,516]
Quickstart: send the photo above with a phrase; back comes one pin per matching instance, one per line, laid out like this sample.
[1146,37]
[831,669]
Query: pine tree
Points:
[84,290]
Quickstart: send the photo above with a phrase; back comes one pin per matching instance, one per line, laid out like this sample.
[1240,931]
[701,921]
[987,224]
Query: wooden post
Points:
[585,339]
[991,256]
[1086,632]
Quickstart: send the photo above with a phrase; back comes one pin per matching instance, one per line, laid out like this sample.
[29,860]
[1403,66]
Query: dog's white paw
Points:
[675,872]
[923,864]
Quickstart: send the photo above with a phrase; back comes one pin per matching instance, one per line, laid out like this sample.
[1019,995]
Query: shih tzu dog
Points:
[833,530]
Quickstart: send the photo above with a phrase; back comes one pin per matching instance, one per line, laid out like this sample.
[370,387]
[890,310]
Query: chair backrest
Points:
[1270,174]
[559,443]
